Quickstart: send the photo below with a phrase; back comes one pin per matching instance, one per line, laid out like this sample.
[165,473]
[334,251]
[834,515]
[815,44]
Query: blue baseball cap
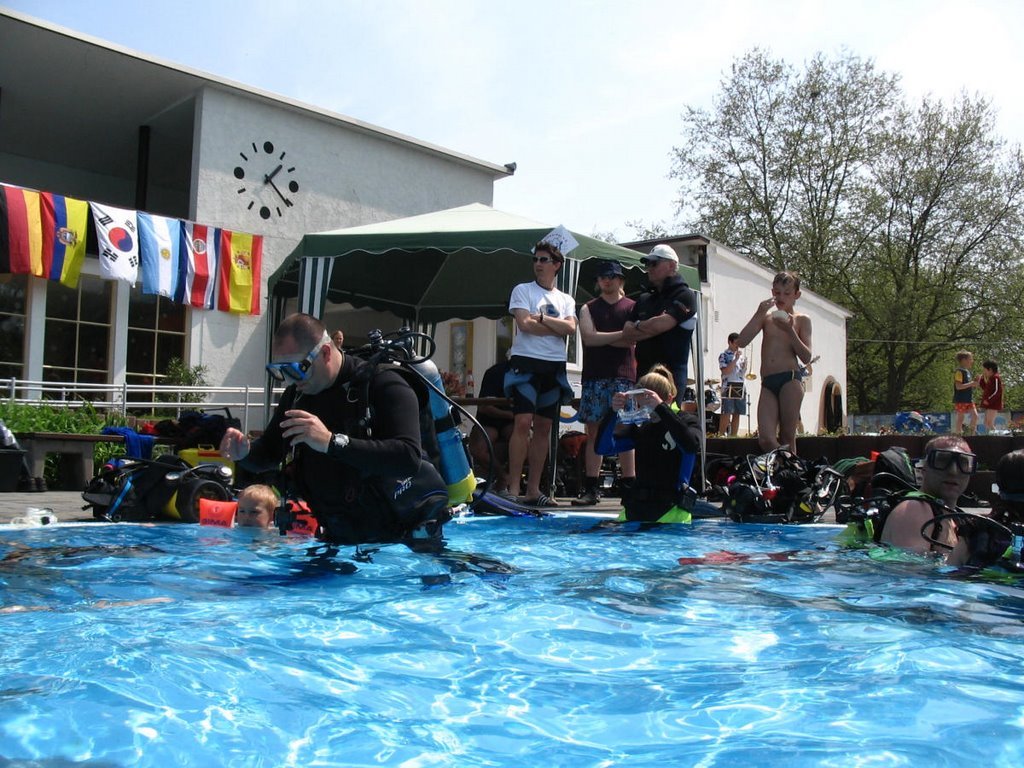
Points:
[609,269]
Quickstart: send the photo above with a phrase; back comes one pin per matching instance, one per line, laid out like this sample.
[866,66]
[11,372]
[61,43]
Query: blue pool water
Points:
[187,646]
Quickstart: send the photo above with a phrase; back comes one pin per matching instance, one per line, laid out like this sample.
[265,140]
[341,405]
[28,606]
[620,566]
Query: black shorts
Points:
[544,376]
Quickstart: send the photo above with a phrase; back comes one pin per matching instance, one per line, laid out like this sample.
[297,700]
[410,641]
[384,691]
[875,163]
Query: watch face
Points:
[267,183]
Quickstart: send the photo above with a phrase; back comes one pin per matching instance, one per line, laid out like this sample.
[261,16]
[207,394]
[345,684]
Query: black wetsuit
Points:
[660,444]
[334,484]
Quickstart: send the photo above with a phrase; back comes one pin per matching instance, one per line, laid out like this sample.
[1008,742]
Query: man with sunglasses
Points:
[536,382]
[912,524]
[662,321]
[323,434]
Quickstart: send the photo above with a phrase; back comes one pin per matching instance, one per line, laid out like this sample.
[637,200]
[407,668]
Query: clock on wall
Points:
[267,185]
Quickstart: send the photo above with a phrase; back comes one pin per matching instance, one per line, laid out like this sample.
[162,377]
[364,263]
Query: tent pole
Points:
[697,351]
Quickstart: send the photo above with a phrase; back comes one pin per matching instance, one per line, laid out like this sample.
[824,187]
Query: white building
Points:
[731,287]
[93,121]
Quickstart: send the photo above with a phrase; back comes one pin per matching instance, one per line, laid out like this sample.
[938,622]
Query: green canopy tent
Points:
[457,263]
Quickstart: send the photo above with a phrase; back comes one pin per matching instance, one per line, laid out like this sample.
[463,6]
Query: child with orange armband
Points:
[256,505]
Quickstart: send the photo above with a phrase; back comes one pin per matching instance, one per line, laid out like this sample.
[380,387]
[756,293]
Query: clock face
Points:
[267,184]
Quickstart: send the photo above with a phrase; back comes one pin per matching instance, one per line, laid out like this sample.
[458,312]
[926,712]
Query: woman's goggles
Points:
[297,371]
[937,458]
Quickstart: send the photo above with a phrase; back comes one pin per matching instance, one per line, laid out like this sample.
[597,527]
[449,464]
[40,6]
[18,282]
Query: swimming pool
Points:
[181,645]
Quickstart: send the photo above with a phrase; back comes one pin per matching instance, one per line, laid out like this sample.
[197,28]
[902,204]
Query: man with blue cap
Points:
[608,367]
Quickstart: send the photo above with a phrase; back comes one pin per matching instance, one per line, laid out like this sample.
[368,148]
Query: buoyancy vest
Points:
[867,521]
[388,508]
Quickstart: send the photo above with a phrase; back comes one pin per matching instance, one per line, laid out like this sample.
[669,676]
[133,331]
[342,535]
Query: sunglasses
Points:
[300,370]
[938,458]
[543,260]
[650,262]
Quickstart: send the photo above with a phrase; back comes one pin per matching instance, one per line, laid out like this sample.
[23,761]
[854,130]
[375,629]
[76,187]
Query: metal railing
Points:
[247,403]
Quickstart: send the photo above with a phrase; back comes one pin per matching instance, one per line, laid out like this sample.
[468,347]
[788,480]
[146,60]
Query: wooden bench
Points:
[79,450]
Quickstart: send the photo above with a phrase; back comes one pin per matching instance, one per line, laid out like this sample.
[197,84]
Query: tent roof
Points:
[435,267]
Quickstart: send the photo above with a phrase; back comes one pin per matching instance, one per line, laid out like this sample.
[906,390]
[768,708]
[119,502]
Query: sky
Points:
[585,97]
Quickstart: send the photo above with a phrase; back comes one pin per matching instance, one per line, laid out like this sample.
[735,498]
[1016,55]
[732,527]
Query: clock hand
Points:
[287,202]
[267,178]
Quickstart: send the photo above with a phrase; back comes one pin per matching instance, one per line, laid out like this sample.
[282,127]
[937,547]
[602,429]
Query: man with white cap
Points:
[663,319]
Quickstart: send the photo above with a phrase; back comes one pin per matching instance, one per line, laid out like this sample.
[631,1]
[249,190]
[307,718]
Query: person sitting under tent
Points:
[497,421]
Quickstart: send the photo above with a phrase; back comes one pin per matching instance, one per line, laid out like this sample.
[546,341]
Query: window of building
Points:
[503,337]
[12,325]
[156,333]
[76,345]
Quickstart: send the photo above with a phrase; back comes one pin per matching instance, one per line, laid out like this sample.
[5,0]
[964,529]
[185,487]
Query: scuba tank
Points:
[455,468]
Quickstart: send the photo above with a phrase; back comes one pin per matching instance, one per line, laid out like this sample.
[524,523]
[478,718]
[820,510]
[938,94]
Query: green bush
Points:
[86,420]
[181,374]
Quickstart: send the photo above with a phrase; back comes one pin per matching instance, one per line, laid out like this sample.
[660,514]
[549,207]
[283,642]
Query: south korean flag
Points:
[117,239]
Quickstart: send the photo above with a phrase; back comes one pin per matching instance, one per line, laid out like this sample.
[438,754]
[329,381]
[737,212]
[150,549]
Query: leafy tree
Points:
[180,374]
[642,230]
[607,236]
[909,217]
[934,265]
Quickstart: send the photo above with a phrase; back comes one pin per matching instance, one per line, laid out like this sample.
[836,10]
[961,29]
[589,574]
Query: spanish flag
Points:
[64,222]
[238,281]
[21,232]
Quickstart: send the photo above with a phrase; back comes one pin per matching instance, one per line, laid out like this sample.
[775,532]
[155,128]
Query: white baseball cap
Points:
[663,252]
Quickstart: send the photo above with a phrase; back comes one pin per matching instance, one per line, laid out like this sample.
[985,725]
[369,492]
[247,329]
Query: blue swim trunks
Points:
[596,398]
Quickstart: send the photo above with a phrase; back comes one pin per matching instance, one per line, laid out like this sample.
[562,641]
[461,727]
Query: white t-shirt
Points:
[739,372]
[536,299]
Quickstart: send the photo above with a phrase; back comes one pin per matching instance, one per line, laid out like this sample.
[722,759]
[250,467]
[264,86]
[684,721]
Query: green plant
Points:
[83,420]
[180,374]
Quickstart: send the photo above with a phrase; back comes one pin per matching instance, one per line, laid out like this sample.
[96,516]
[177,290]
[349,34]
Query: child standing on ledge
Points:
[786,345]
[964,384]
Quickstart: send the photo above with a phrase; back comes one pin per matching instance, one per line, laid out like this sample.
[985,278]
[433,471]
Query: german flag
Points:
[21,232]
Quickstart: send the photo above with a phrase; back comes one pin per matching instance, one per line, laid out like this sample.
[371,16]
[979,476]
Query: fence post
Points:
[124,399]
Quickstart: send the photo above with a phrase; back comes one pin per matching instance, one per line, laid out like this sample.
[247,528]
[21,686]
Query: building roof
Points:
[70,99]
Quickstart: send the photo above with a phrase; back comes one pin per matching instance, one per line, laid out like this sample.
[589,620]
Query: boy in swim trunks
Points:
[785,345]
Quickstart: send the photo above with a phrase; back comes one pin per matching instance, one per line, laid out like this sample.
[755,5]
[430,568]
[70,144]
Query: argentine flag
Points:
[159,243]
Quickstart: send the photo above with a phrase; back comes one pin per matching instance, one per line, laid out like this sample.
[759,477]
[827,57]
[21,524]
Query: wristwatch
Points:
[339,441]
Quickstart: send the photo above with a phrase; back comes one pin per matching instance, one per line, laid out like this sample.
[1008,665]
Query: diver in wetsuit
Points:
[339,445]
[664,446]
